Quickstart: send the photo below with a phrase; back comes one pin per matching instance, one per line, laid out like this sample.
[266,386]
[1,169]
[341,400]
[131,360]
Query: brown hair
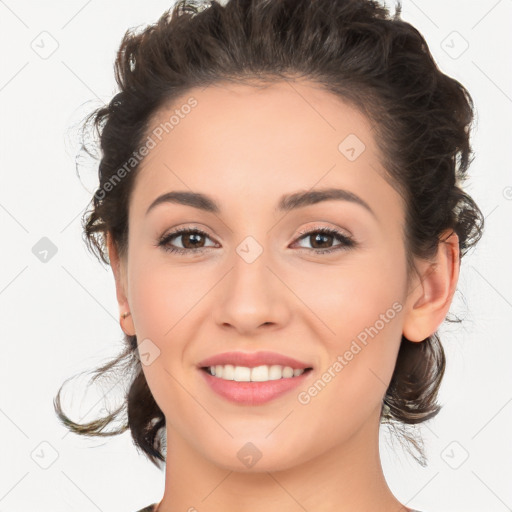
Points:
[354,49]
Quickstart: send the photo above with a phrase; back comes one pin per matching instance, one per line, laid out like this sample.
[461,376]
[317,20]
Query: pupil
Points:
[322,235]
[194,236]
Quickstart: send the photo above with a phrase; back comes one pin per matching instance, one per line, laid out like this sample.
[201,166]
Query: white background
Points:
[61,317]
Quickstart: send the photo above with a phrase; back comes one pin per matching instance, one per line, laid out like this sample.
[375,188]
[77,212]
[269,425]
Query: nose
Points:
[252,295]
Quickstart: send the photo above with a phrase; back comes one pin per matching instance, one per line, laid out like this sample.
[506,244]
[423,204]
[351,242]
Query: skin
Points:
[246,147]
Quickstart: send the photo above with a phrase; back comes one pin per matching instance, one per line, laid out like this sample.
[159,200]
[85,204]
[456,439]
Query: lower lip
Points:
[253,393]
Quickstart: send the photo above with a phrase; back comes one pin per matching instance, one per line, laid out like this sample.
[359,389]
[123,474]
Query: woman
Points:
[280,202]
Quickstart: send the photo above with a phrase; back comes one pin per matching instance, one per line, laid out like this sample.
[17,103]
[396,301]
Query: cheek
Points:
[361,346]
[161,297]
[153,299]
[360,308]
[353,297]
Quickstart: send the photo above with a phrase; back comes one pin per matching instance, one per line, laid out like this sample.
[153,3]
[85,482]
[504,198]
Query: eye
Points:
[191,241]
[324,236]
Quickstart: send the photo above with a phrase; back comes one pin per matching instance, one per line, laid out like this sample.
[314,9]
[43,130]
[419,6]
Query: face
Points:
[258,274]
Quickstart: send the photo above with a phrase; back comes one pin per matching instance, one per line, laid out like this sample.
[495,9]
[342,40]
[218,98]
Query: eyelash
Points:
[346,241]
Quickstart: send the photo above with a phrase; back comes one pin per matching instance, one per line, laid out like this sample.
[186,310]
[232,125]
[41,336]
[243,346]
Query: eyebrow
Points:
[286,203]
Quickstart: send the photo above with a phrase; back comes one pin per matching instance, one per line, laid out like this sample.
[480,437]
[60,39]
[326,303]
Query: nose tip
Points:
[249,300]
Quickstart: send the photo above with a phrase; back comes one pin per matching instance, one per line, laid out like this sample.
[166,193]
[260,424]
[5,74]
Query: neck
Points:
[348,478]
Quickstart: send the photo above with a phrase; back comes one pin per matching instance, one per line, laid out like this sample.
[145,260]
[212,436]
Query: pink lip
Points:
[252,360]
[253,393]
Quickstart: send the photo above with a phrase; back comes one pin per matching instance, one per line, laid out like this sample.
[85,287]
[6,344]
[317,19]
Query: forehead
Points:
[285,113]
[248,142]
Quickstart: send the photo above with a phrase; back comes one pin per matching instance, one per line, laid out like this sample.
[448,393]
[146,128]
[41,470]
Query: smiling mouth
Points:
[263,373]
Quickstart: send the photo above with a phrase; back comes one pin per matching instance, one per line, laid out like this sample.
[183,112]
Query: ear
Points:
[429,300]
[119,270]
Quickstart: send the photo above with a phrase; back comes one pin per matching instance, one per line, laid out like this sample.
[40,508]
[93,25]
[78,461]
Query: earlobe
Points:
[125,318]
[429,302]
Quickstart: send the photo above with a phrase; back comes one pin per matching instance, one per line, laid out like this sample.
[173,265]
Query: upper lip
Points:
[253,359]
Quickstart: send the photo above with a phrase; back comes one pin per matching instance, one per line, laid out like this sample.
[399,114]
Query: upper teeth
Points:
[256,374]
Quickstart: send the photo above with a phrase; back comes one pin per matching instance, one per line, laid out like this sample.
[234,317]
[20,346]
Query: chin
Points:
[257,456]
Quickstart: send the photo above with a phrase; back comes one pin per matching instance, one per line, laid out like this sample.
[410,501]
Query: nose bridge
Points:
[251,295]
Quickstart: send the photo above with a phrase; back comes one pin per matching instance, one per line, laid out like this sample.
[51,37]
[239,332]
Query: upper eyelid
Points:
[315,228]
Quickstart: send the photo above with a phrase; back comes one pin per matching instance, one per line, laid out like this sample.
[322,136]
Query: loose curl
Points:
[352,48]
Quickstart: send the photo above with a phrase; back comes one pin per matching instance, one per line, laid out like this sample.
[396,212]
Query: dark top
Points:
[151,508]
